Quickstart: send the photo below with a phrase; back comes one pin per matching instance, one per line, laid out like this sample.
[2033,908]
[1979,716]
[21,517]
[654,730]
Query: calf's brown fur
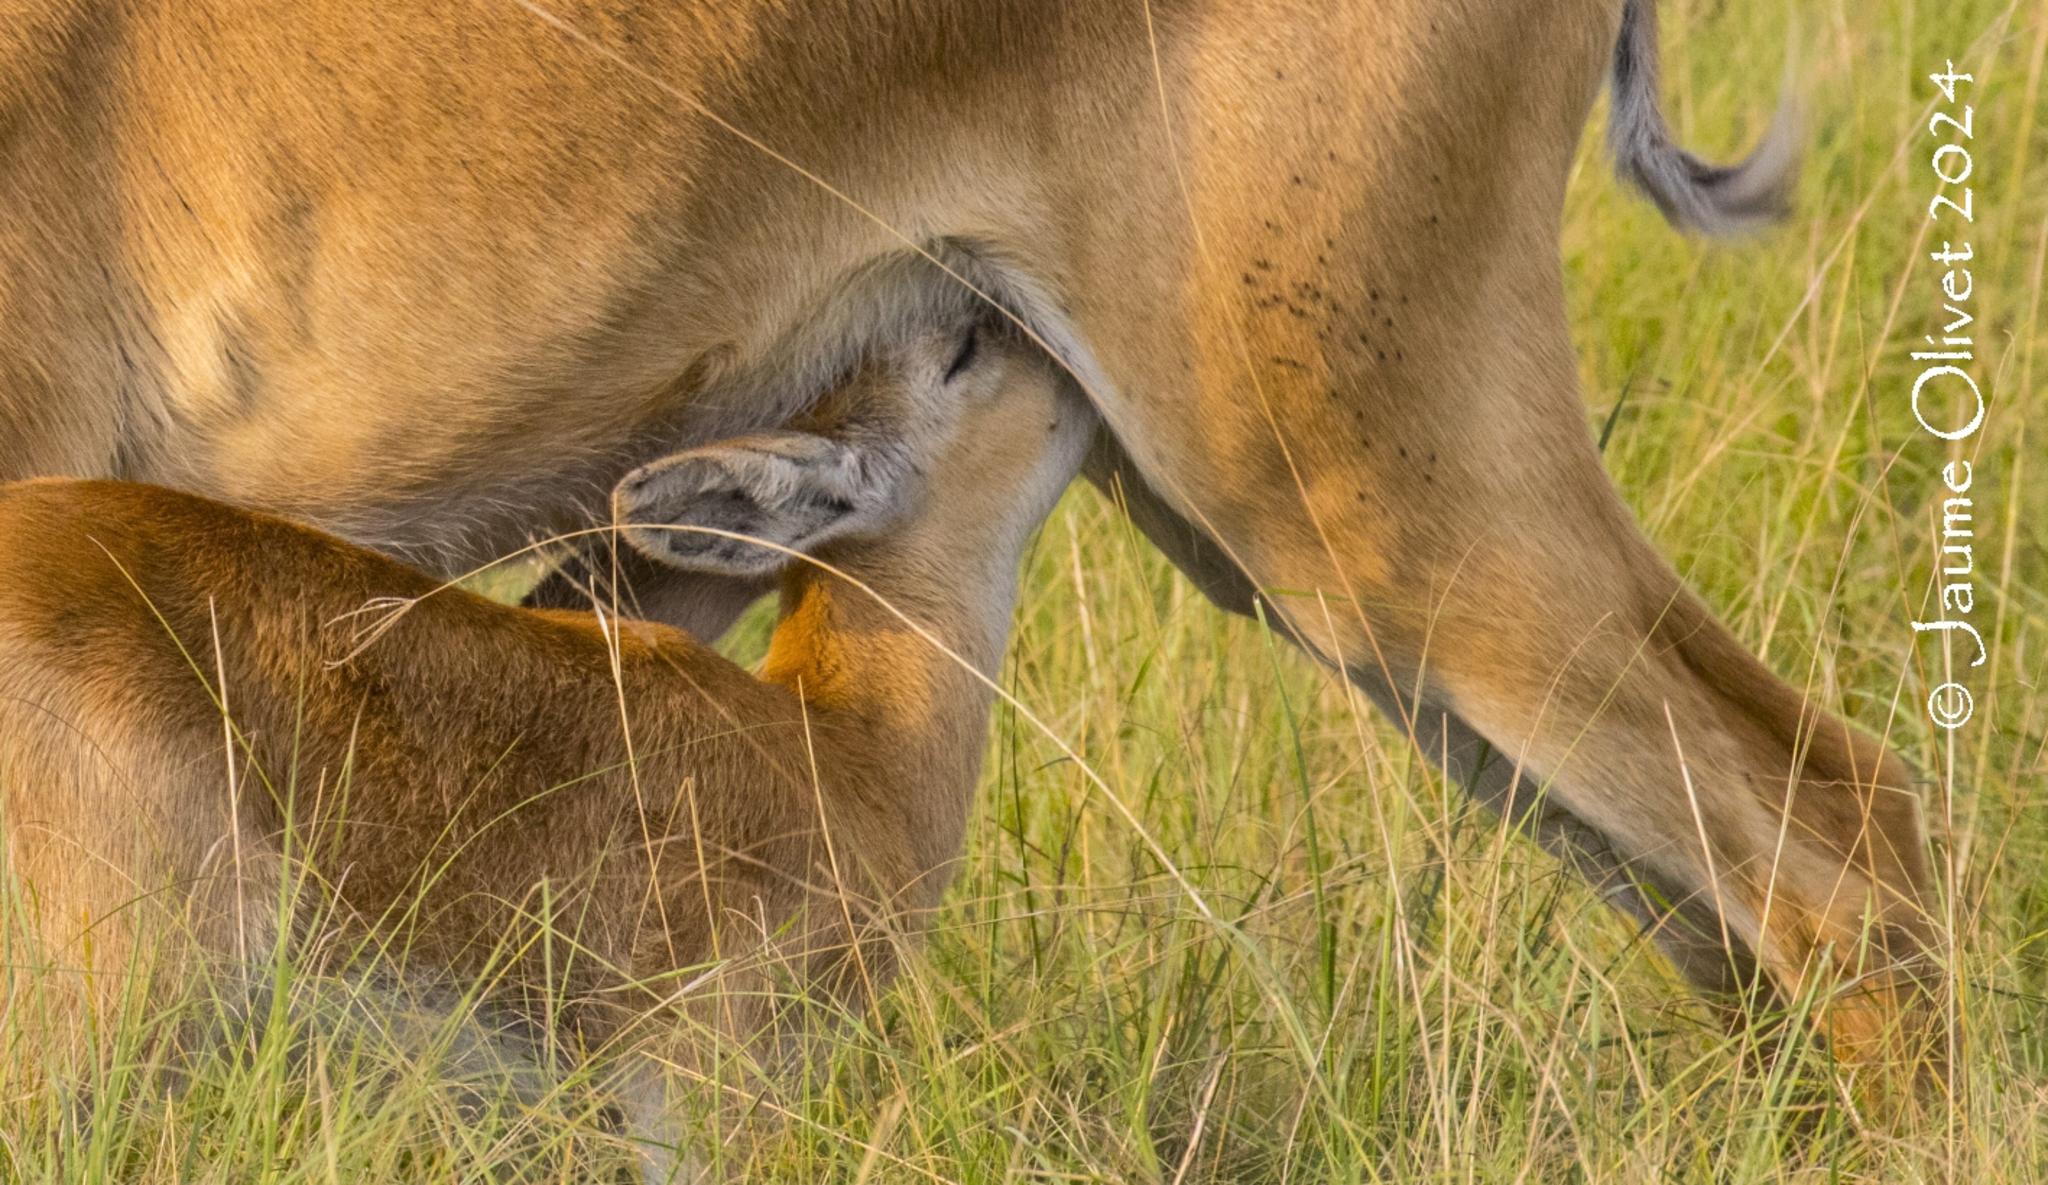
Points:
[436,275]
[689,830]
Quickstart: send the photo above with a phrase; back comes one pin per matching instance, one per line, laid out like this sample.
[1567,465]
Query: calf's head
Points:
[960,423]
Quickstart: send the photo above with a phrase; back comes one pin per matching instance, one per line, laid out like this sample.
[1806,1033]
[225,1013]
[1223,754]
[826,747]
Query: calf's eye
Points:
[962,359]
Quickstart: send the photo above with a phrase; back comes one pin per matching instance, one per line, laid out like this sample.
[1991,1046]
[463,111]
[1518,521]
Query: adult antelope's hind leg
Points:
[1686,930]
[1683,927]
[1670,754]
[1354,375]
[1475,562]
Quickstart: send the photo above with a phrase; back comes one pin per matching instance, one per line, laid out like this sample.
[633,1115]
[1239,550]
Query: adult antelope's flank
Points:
[690,830]
[436,275]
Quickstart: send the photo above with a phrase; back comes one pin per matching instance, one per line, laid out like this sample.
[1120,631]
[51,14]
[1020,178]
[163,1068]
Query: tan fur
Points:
[436,275]
[698,835]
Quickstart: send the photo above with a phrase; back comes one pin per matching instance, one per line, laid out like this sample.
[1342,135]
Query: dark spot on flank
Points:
[1295,179]
[1403,450]
[238,367]
[1262,265]
[297,250]
[1248,278]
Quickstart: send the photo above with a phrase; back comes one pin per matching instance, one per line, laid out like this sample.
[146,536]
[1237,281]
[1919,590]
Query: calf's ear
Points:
[740,507]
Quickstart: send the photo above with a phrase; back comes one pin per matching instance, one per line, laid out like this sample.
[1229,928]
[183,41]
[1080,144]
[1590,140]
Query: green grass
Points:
[1380,985]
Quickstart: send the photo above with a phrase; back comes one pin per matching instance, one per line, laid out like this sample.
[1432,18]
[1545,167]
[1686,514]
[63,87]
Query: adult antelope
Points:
[434,275]
[690,832]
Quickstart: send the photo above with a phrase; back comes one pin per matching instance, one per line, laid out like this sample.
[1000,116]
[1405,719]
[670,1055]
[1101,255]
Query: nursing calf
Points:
[688,830]
[436,276]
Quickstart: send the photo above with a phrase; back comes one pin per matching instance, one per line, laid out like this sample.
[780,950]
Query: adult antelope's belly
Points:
[419,282]
[449,440]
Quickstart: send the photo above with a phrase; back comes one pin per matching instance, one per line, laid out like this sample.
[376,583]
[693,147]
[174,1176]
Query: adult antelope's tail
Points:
[1696,196]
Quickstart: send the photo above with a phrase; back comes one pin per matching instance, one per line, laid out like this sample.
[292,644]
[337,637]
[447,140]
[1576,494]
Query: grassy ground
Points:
[1384,987]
